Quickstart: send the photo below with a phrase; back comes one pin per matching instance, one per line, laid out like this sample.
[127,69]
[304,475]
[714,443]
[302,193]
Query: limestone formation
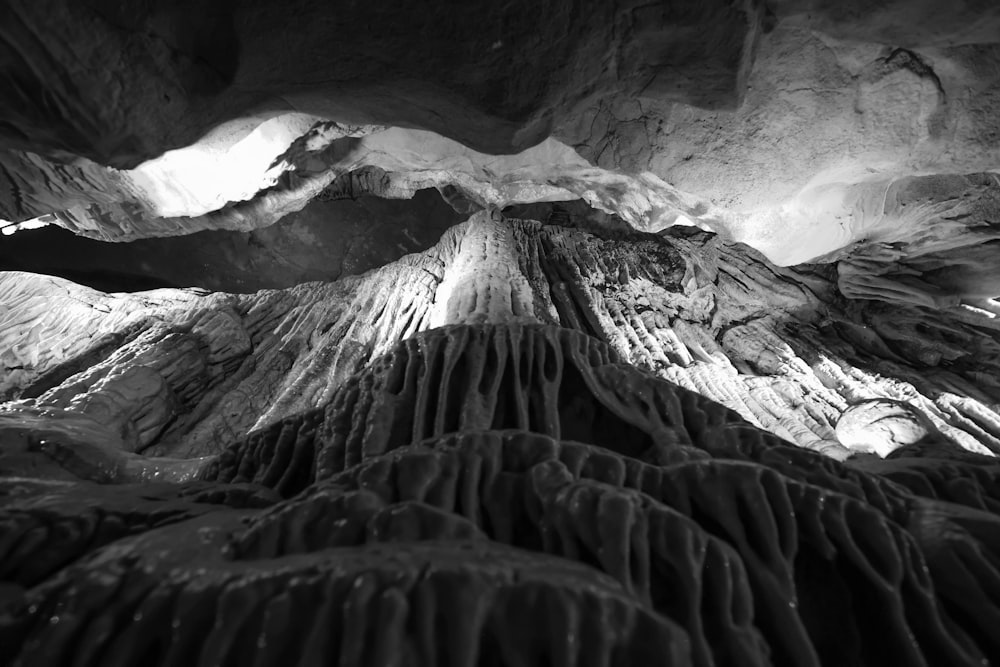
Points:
[696,311]
[520,432]
[191,67]
[500,334]
[827,112]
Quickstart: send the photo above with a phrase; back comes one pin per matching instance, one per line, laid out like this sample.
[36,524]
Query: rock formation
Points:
[499,333]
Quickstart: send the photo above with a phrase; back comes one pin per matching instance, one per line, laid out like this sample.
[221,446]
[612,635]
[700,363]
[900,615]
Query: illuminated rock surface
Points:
[503,334]
[455,428]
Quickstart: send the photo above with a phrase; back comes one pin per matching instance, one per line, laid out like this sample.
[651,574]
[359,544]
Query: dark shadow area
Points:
[324,241]
[574,213]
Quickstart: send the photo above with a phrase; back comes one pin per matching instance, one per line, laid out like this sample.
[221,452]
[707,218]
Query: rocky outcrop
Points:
[775,345]
[446,482]
[567,446]
[327,163]
[882,426]
[580,429]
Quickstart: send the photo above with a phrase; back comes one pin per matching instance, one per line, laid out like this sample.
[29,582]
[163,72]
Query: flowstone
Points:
[529,444]
[543,502]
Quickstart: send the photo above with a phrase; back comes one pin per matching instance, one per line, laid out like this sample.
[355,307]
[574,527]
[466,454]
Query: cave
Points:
[517,334]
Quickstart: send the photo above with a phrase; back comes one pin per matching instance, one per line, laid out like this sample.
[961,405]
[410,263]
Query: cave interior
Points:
[507,334]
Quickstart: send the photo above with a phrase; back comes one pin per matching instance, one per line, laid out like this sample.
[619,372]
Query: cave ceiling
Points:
[500,333]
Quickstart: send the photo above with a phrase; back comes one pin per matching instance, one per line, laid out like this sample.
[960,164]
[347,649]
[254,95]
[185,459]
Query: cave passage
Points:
[324,241]
[500,334]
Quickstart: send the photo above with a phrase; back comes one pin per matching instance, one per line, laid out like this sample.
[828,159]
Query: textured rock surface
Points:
[326,164]
[529,444]
[776,345]
[440,67]
[829,111]
[506,494]
[563,434]
[881,426]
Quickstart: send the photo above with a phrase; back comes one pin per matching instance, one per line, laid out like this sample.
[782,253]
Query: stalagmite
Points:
[499,334]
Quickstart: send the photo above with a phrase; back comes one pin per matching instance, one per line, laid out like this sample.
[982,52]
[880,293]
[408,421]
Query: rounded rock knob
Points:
[881,426]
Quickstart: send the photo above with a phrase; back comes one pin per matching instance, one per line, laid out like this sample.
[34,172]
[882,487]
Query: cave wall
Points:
[693,361]
[191,67]
[779,124]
